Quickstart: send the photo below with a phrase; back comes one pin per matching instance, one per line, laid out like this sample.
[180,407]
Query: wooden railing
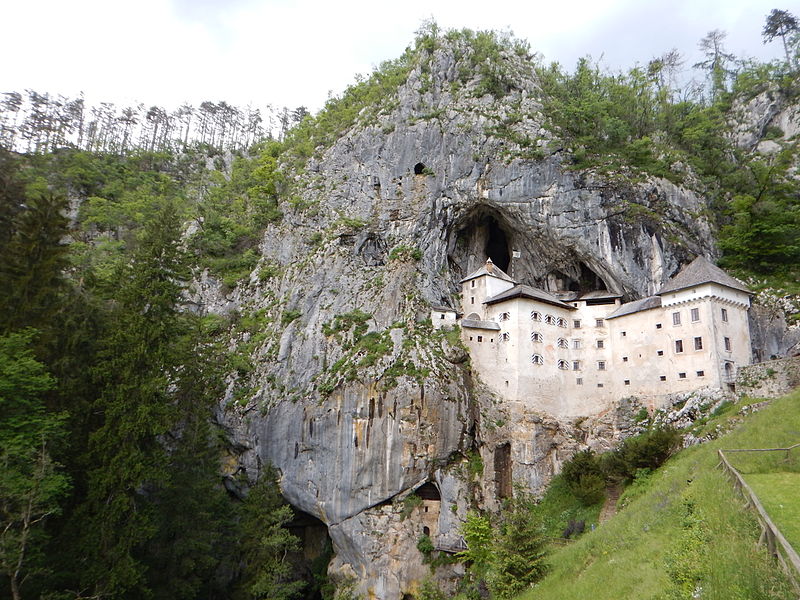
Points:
[776,543]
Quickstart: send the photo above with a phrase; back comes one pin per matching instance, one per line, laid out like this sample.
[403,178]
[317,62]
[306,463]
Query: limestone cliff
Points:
[353,397]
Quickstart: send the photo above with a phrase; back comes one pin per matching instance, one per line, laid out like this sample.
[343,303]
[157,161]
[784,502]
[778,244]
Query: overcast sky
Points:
[294,52]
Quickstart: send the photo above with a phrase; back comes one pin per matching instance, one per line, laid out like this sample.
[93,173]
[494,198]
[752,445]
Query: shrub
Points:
[584,477]
[646,451]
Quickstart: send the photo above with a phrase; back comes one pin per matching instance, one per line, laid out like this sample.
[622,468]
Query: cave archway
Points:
[315,551]
[480,235]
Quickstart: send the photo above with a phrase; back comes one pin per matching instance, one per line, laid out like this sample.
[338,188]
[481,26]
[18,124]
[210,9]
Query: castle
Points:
[573,354]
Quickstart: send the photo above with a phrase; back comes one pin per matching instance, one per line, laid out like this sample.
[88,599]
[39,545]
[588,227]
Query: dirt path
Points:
[610,506]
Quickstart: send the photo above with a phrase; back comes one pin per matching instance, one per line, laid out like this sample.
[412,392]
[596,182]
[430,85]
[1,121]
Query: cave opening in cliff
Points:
[581,279]
[480,235]
[502,471]
[315,551]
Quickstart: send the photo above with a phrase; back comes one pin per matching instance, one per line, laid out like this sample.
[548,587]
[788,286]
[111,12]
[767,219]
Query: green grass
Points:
[778,493]
[685,529]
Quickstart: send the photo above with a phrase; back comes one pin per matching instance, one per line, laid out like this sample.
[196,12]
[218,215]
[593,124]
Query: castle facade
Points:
[573,354]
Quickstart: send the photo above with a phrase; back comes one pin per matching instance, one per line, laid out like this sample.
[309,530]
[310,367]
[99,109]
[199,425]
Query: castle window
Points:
[472,300]
[676,318]
[623,334]
[506,336]
[579,381]
[624,359]
[536,336]
[576,365]
[660,353]
[695,315]
[727,342]
[658,325]
[550,319]
[472,283]
[576,323]
[562,322]
[599,385]
[441,316]
[598,323]
[470,338]
[536,316]
[563,365]
[724,314]
[537,359]
[701,373]
[698,343]
[663,378]
[601,343]
[678,346]
[601,365]
[627,382]
[562,343]
[576,344]
[480,338]
[681,375]
[505,316]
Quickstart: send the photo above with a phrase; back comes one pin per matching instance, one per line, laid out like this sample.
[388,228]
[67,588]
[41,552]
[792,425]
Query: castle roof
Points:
[526,291]
[489,268]
[476,324]
[700,271]
[636,306]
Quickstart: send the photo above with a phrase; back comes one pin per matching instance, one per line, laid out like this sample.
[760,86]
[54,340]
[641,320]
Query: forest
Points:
[112,477]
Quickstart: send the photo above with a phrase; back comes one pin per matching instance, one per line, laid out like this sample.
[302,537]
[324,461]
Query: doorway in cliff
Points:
[502,471]
[481,234]
[310,561]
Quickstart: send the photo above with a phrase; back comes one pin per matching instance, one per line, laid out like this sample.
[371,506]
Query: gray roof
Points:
[443,308]
[472,324]
[636,306]
[489,268]
[598,294]
[698,272]
[526,291]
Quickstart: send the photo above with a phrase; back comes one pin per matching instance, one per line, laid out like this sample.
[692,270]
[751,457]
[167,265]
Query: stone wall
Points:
[769,379]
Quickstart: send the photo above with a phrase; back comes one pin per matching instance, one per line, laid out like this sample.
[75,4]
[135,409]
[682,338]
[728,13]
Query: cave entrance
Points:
[481,235]
[310,561]
[581,279]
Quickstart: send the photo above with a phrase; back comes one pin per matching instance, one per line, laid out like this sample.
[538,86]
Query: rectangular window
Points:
[470,338]
[576,365]
[598,322]
[658,325]
[601,365]
[678,346]
[576,344]
[676,318]
[472,283]
[695,315]
[576,324]
[727,341]
[660,353]
[698,343]
[681,375]
[480,338]
[472,300]
[624,334]
[579,381]
[441,316]
[599,385]
[663,378]
[724,314]
[627,382]
[624,359]
[701,373]
[600,343]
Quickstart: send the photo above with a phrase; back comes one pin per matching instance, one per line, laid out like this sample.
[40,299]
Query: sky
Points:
[296,52]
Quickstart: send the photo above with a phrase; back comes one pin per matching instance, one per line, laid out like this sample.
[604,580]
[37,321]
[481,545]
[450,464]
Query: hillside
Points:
[682,531]
[191,335]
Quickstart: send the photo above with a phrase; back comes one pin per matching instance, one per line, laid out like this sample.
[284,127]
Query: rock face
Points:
[352,396]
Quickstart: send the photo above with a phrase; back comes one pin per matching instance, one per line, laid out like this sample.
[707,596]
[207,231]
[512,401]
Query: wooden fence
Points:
[777,545]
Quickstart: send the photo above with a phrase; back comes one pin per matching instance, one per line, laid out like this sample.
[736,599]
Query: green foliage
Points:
[290,315]
[31,482]
[686,568]
[410,502]
[404,253]
[474,463]
[584,477]
[425,546]
[478,535]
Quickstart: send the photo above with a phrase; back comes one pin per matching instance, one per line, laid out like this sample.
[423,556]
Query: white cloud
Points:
[294,52]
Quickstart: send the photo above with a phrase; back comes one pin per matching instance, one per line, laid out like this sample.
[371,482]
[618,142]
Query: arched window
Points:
[563,365]
[562,322]
[562,343]
[505,316]
[537,359]
[536,316]
[550,319]
[506,336]
[536,337]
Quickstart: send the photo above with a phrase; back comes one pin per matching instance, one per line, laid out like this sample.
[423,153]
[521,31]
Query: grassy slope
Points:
[780,495]
[684,529]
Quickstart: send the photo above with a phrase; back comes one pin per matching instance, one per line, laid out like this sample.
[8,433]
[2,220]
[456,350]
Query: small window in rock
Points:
[426,530]
[658,325]
[660,353]
[624,359]
[627,382]
[419,169]
[441,316]
[663,378]
[623,334]
[470,338]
